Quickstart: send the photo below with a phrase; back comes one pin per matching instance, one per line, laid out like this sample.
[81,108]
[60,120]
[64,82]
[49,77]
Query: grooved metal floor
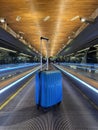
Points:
[74,113]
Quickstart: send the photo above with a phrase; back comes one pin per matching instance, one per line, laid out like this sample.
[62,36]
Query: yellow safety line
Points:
[15,94]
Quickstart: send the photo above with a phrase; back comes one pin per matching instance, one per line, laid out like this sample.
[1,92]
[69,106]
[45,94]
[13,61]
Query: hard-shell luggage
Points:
[48,88]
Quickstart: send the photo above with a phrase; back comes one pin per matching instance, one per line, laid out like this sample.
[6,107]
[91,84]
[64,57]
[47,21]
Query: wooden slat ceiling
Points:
[58,26]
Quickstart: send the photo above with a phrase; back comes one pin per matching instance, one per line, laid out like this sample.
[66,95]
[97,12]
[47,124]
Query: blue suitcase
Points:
[48,89]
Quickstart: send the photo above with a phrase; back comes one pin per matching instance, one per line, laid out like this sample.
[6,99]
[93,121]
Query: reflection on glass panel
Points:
[88,70]
[84,62]
[8,56]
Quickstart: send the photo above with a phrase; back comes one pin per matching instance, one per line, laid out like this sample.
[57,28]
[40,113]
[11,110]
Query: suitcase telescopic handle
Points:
[46,39]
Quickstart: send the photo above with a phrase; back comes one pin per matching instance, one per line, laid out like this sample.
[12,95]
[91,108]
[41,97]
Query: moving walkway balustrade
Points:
[84,62]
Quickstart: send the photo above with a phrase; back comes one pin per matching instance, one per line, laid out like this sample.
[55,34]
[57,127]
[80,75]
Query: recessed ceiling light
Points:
[46,18]
[21,32]
[21,37]
[68,37]
[2,20]
[83,19]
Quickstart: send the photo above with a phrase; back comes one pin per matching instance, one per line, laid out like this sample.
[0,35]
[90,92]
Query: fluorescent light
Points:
[95,45]
[70,54]
[74,18]
[83,50]
[21,32]
[46,18]
[5,49]
[25,55]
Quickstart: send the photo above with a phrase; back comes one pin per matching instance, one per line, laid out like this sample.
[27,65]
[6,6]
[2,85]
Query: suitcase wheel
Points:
[38,107]
[45,109]
[59,103]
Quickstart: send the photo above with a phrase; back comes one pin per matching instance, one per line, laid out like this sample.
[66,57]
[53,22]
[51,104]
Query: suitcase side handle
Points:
[47,40]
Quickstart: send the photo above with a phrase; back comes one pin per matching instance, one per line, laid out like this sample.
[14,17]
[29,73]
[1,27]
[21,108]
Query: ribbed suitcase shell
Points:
[48,90]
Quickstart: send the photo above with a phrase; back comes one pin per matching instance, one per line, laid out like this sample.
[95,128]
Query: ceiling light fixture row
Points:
[83,19]
[20,34]
[87,20]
